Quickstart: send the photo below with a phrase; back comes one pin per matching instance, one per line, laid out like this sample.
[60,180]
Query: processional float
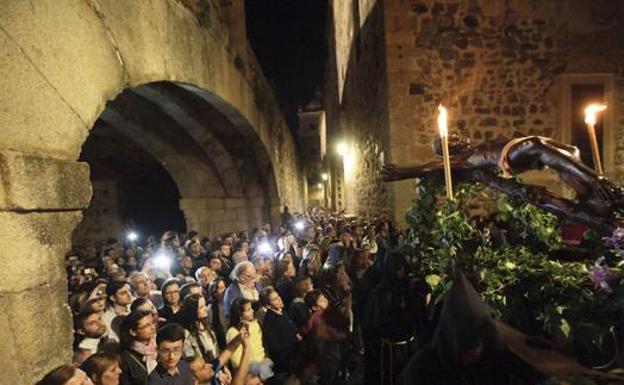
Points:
[597,203]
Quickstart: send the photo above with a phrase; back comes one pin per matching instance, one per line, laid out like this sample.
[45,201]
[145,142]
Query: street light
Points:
[324,176]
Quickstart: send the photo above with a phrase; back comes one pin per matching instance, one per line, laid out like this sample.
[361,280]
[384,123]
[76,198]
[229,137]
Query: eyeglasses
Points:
[172,292]
[170,352]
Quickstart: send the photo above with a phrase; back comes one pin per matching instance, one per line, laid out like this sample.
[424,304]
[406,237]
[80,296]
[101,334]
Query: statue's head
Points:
[457,144]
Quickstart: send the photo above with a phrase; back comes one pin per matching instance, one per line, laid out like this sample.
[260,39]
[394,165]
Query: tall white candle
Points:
[443,128]
[590,120]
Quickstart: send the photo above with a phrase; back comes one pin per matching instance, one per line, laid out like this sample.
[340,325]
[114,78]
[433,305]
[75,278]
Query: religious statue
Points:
[598,202]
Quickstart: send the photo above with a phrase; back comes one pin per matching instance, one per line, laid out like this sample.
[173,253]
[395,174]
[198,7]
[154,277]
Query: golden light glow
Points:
[324,176]
[342,148]
[591,111]
[442,121]
[590,120]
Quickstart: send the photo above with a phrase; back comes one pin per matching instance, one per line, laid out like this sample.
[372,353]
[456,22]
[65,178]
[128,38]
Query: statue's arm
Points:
[392,172]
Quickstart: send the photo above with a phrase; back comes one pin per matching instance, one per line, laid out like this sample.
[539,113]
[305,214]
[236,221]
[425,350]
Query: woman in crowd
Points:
[285,280]
[102,369]
[216,310]
[201,339]
[335,282]
[311,263]
[279,333]
[65,375]
[264,270]
[173,302]
[138,344]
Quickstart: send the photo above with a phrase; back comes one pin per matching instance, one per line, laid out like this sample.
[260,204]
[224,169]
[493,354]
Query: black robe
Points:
[465,323]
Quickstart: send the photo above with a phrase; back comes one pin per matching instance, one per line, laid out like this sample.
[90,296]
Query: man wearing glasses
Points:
[171,369]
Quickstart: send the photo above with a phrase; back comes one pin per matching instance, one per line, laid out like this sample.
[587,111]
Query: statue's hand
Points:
[607,190]
[389,172]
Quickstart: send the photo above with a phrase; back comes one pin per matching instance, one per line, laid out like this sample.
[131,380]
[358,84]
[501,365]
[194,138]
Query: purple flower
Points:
[616,240]
[600,274]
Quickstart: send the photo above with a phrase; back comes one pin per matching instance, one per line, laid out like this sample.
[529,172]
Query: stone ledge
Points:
[32,183]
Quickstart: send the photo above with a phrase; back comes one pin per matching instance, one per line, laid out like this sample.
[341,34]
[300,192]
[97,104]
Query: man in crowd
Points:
[171,369]
[141,288]
[89,333]
[119,300]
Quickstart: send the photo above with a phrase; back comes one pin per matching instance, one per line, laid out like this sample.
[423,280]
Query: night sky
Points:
[288,37]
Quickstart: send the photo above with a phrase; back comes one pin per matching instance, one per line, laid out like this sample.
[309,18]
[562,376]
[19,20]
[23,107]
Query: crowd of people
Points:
[298,304]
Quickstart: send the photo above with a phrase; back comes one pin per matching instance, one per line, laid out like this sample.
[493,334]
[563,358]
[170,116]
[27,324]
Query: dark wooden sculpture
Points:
[598,202]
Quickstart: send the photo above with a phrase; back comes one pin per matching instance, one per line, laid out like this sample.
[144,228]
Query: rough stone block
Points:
[33,248]
[35,183]
[35,119]
[83,68]
[40,322]
[11,372]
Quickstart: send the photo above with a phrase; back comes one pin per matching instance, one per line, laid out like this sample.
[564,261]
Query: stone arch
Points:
[60,63]
[214,155]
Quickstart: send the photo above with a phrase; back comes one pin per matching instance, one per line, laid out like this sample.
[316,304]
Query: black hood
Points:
[465,323]
[394,261]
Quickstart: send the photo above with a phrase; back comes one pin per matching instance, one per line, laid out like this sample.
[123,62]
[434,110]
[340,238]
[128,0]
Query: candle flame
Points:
[442,117]
[591,111]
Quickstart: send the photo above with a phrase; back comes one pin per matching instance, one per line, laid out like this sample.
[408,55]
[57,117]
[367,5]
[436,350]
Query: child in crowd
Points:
[242,313]
[318,304]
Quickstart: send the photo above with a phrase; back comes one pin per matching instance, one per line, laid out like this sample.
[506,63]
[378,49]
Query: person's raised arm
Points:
[241,374]
[226,353]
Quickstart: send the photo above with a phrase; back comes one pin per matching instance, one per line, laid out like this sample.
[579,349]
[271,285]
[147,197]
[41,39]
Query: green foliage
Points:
[532,225]
[510,260]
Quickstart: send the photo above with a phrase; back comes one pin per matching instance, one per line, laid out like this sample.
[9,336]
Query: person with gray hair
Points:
[243,284]
[140,284]
[205,277]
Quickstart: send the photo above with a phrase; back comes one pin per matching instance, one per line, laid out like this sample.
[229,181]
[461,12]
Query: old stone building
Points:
[503,69]
[174,82]
[313,149]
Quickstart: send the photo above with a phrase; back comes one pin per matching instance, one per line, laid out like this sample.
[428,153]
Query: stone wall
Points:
[215,216]
[495,65]
[356,104]
[102,219]
[39,202]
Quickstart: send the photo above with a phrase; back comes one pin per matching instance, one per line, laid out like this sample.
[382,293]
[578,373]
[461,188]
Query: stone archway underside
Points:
[221,171]
[60,63]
